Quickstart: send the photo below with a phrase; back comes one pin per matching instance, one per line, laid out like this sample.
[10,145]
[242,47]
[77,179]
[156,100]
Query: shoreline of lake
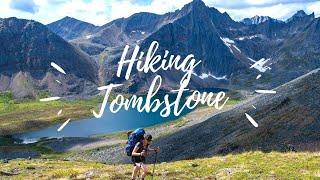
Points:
[90,126]
[84,148]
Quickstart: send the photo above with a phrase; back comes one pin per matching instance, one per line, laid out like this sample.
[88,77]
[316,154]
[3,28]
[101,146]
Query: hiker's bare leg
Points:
[134,172]
[145,171]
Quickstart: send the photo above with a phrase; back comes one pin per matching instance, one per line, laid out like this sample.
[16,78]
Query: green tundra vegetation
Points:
[29,114]
[18,116]
[249,165]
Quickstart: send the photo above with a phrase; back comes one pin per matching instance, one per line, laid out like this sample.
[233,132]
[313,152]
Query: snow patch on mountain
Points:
[252,60]
[88,36]
[260,65]
[230,44]
[249,37]
[138,31]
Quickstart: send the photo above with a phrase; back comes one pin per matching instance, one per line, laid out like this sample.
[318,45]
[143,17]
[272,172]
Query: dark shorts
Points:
[137,159]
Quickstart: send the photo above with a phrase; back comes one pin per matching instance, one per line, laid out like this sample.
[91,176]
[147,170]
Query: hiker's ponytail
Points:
[129,132]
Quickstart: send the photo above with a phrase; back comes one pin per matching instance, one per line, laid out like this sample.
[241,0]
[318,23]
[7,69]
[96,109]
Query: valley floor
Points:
[27,115]
[249,165]
[86,148]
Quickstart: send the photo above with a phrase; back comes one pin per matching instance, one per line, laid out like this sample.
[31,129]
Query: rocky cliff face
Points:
[228,48]
[199,32]
[195,29]
[26,51]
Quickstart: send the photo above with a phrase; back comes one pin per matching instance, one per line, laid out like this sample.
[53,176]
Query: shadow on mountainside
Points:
[288,121]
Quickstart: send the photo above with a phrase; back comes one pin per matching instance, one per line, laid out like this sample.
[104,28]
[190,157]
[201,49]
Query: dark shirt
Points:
[138,159]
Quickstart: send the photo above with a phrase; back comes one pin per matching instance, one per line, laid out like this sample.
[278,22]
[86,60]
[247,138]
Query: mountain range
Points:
[232,53]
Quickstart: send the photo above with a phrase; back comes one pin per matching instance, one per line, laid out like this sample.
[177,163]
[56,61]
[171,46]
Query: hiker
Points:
[139,156]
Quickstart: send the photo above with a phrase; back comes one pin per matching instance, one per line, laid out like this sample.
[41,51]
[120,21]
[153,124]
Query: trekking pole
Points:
[154,164]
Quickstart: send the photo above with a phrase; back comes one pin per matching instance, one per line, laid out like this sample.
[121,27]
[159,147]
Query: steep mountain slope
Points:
[70,28]
[126,30]
[299,15]
[286,45]
[195,29]
[118,33]
[199,32]
[227,48]
[131,30]
[26,51]
[289,119]
[298,54]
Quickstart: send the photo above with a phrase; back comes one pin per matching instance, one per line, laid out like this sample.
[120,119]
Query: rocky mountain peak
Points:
[300,15]
[256,20]
[15,25]
[70,28]
[198,3]
[195,5]
[68,17]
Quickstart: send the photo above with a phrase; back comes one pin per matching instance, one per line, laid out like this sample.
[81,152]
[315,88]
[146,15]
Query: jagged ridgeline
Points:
[227,49]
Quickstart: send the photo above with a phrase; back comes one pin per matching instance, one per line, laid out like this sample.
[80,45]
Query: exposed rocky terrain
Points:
[257,20]
[26,51]
[288,121]
[227,48]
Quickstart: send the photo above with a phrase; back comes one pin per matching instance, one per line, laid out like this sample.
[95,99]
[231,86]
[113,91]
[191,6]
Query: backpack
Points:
[133,138]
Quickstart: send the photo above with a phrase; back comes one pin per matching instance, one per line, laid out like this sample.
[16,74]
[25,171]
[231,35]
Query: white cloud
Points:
[279,11]
[96,12]
[102,11]
[126,8]
[243,4]
[315,7]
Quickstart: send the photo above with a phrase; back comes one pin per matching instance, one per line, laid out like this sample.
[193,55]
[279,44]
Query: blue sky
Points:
[102,11]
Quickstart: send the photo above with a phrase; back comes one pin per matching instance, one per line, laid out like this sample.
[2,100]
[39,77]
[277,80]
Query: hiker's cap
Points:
[148,137]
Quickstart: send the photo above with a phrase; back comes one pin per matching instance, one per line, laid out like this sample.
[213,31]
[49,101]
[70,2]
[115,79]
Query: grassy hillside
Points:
[23,115]
[250,165]
[18,116]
